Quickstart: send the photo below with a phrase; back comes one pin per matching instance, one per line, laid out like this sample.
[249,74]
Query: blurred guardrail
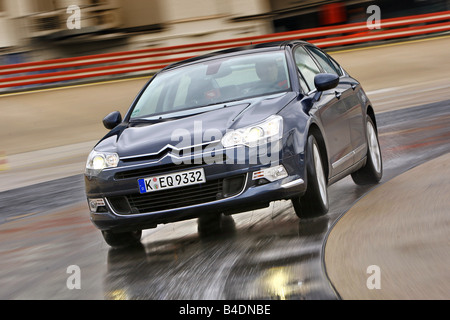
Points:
[148,61]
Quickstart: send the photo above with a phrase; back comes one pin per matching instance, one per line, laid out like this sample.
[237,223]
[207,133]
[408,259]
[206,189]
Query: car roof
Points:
[274,45]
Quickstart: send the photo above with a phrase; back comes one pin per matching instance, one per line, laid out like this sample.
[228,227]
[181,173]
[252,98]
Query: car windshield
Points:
[179,90]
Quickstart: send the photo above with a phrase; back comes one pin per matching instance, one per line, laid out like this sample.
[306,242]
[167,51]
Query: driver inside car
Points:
[268,73]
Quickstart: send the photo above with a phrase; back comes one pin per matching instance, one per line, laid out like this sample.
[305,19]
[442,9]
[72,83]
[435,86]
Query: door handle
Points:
[338,94]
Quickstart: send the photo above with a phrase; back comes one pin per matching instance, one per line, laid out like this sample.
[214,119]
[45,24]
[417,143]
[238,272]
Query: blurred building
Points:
[41,25]
[38,29]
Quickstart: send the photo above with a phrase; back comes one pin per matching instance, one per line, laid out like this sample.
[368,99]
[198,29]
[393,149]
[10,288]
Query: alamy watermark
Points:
[74,20]
[374,280]
[74,280]
[374,20]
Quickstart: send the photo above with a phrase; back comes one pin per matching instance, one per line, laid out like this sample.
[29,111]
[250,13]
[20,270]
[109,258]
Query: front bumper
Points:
[253,194]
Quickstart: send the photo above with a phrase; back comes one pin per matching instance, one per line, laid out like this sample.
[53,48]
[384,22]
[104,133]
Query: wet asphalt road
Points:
[263,254]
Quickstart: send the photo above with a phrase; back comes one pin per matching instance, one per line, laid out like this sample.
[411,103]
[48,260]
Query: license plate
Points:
[173,180]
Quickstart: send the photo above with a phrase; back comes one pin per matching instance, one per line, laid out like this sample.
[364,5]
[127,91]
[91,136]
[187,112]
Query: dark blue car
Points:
[229,132]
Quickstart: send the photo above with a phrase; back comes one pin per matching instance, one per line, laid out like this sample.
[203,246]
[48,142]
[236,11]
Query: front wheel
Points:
[122,239]
[314,202]
[372,172]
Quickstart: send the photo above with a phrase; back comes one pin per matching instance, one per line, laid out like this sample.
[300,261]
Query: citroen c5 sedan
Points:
[228,132]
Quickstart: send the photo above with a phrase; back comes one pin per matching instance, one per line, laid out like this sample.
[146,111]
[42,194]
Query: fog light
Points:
[95,203]
[271,174]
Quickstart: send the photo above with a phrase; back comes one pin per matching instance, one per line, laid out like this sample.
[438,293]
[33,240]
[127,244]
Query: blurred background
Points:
[33,30]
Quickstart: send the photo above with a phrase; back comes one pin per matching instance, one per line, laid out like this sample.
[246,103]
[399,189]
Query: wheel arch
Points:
[371,113]
[317,133]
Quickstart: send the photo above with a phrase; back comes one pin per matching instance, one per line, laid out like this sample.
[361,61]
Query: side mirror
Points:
[112,120]
[326,81]
[323,82]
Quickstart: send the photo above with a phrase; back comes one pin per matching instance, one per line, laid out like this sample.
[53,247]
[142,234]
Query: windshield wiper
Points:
[155,120]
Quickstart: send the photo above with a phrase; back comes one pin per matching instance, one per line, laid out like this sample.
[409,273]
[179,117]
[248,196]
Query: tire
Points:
[314,203]
[122,239]
[372,172]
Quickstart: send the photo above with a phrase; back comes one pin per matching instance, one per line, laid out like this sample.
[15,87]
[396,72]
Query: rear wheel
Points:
[314,202]
[122,239]
[372,172]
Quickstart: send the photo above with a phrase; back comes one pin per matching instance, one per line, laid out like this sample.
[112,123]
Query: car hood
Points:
[144,138]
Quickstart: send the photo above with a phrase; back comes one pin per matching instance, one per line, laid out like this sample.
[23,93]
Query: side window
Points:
[324,61]
[306,66]
[336,66]
[303,84]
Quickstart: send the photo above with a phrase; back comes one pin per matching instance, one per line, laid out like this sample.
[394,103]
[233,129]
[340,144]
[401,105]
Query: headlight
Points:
[101,160]
[269,130]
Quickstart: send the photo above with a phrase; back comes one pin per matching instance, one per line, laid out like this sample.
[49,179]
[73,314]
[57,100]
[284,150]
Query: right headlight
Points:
[269,130]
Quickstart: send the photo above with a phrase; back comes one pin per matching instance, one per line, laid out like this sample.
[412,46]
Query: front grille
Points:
[179,197]
[176,198]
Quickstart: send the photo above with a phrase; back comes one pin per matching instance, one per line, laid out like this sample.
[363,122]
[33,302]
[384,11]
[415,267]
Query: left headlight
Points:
[269,130]
[98,161]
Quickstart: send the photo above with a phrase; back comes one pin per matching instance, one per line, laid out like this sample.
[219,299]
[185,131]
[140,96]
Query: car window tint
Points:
[213,82]
[306,66]
[323,60]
